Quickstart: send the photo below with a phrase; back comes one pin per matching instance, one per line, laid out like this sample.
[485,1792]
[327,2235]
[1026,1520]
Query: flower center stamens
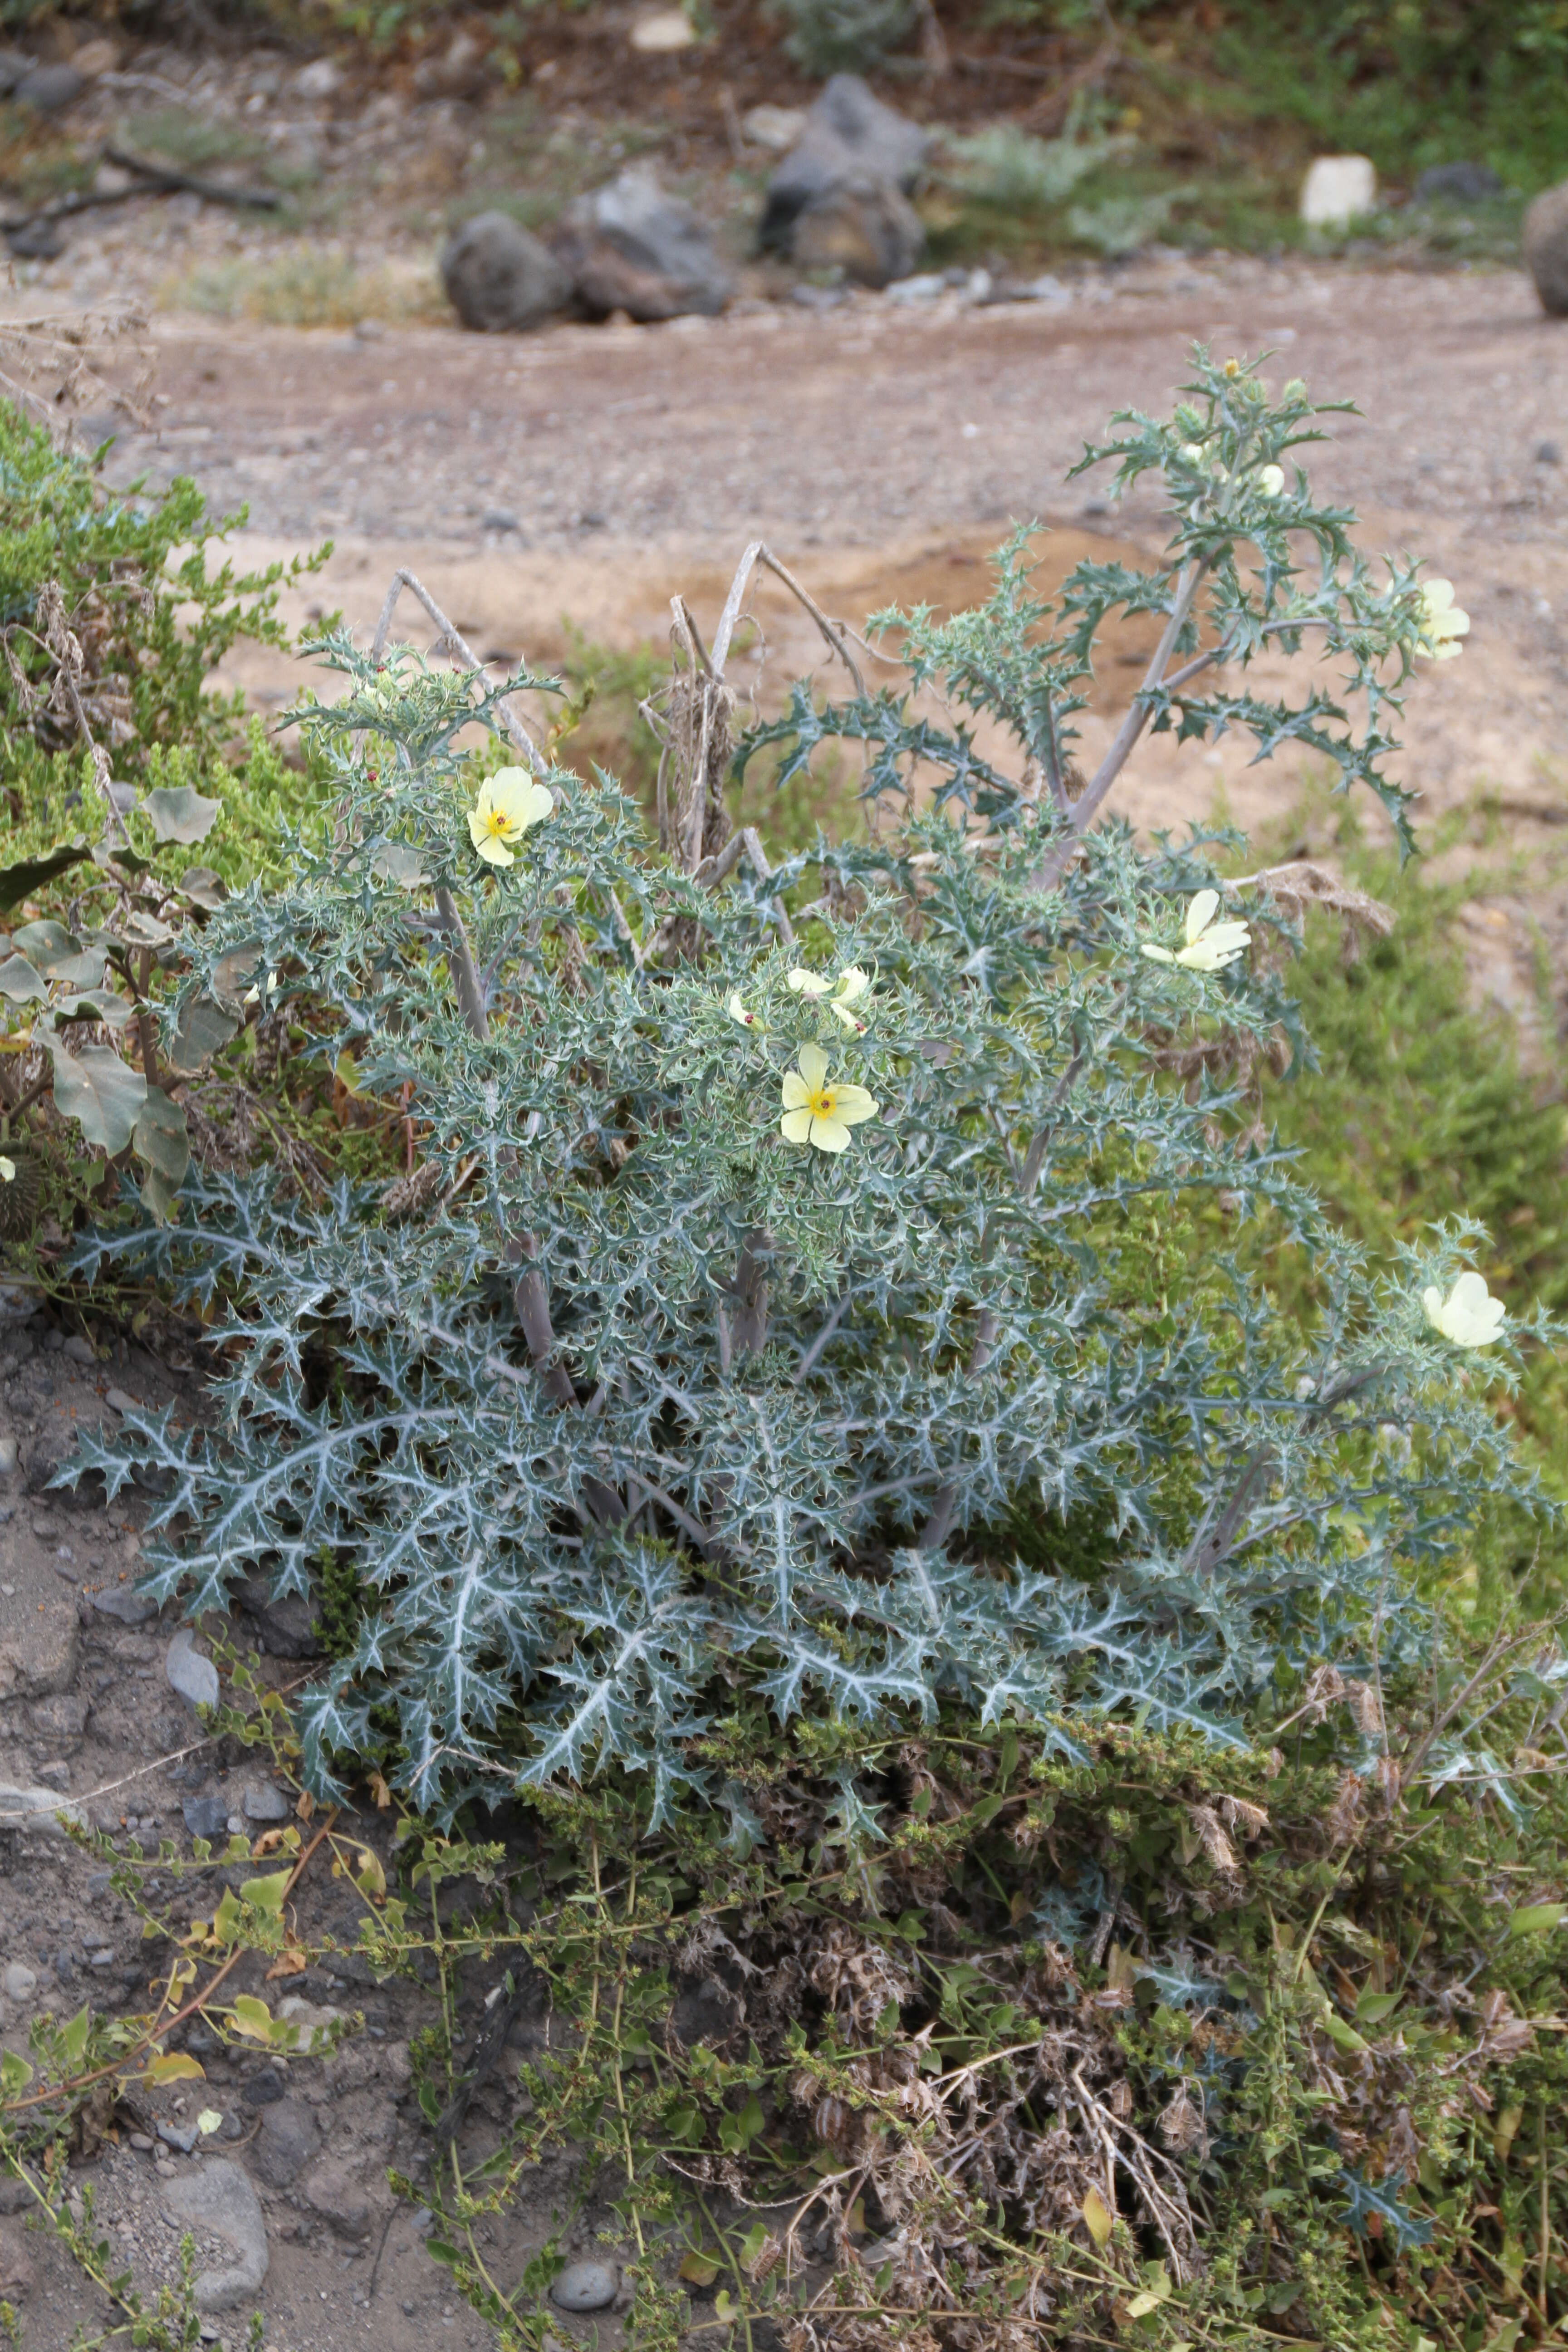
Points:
[823,1102]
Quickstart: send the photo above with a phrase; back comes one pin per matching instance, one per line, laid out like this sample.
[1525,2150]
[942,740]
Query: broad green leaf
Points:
[266,1895]
[203,1029]
[158,1196]
[95,1004]
[251,2017]
[1537,1919]
[202,888]
[100,1091]
[1096,2215]
[14,2074]
[21,981]
[30,873]
[73,2037]
[179,813]
[83,970]
[140,929]
[45,942]
[700,2269]
[160,1137]
[174,2066]
[1339,2032]
[229,1918]
[1373,2006]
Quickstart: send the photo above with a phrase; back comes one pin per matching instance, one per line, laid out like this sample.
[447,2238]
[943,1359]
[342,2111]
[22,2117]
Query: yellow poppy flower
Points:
[1442,621]
[510,802]
[817,1113]
[1210,945]
[852,983]
[1469,1316]
[1271,480]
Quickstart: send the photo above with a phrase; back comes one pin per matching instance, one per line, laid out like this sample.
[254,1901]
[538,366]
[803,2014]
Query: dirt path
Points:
[882,448]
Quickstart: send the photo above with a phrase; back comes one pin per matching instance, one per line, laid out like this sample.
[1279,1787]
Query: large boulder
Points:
[499,279]
[850,140]
[1546,248]
[869,231]
[629,247]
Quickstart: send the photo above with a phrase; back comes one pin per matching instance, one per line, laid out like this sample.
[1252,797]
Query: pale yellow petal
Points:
[7,1169]
[478,832]
[806,983]
[852,983]
[812,1065]
[1432,1300]
[795,1127]
[1200,912]
[737,1011]
[853,1104]
[829,1134]
[795,1090]
[494,852]
[1271,481]
[1157,955]
[842,1012]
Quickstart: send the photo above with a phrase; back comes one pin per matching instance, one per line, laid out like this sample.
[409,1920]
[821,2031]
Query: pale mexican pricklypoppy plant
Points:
[652,1403]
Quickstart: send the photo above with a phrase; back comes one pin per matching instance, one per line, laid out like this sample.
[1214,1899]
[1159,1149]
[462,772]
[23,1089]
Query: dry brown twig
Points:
[46,368]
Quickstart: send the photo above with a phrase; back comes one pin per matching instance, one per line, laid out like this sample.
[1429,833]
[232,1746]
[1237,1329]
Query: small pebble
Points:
[79,1350]
[7,1458]
[585,2286]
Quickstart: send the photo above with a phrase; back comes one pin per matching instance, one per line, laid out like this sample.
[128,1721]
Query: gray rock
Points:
[867,230]
[124,1603]
[585,2286]
[182,2136]
[321,79]
[499,279]
[631,247]
[265,1804]
[1458,183]
[264,2089]
[849,137]
[498,519]
[221,2200]
[121,1401]
[60,1721]
[1546,248]
[20,1982]
[14,68]
[285,2144]
[18,2278]
[36,1810]
[7,1457]
[205,1817]
[49,89]
[80,1349]
[286,1628]
[193,1676]
[342,2203]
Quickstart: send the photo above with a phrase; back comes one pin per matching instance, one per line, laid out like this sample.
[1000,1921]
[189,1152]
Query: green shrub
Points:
[829,36]
[112,617]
